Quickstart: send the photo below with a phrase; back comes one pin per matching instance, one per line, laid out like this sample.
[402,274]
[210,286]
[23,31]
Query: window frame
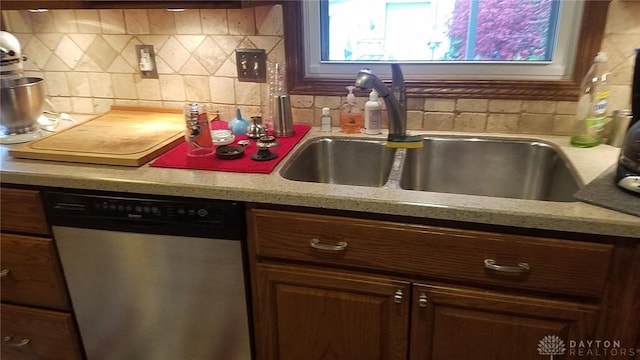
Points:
[589,42]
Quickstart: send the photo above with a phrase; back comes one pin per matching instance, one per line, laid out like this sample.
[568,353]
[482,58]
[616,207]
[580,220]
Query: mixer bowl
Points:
[22,104]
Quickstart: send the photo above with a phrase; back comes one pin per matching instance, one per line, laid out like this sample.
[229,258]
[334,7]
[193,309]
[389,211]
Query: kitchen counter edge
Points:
[576,216]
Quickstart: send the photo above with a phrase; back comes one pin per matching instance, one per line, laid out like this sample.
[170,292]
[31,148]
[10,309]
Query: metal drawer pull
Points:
[521,268]
[423,300]
[8,341]
[315,243]
[397,297]
[4,272]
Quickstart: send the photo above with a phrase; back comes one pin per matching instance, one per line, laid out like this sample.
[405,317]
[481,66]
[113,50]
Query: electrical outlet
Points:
[146,62]
[252,65]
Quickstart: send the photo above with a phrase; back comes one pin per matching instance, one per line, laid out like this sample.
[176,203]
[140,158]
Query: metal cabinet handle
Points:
[8,340]
[4,272]
[520,268]
[341,246]
[397,297]
[423,300]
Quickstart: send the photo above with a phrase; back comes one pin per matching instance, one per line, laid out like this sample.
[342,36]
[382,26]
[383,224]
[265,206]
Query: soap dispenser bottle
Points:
[350,115]
[372,114]
[591,112]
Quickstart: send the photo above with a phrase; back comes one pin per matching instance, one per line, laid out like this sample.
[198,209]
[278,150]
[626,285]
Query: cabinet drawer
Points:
[38,334]
[550,265]
[31,273]
[22,211]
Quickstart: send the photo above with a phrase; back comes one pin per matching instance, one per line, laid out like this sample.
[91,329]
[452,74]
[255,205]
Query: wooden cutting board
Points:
[129,136]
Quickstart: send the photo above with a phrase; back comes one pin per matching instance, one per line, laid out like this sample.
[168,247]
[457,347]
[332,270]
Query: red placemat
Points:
[177,157]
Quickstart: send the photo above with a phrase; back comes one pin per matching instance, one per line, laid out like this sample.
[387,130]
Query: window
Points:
[443,30]
[466,32]
[549,71]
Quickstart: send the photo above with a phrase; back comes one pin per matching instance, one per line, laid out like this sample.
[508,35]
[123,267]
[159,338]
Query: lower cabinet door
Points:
[312,315]
[450,323]
[29,333]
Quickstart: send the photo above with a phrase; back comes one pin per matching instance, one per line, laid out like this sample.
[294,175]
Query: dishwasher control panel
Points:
[91,210]
[153,209]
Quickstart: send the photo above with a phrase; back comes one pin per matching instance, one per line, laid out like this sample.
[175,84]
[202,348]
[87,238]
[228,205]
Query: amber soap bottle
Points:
[350,114]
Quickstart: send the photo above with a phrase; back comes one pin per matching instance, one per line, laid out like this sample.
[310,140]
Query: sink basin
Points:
[521,169]
[497,167]
[344,161]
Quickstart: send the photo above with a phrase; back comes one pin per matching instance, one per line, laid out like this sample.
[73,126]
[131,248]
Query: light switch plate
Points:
[252,65]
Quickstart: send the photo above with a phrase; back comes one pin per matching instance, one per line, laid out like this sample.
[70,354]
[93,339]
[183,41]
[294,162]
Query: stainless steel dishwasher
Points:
[154,278]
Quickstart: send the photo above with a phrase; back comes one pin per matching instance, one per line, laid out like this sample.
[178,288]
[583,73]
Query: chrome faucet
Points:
[394,99]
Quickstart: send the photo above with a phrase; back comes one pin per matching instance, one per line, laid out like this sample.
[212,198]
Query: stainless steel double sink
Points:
[487,166]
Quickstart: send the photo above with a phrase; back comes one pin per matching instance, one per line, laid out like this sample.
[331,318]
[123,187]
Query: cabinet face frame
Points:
[329,298]
[35,302]
[613,313]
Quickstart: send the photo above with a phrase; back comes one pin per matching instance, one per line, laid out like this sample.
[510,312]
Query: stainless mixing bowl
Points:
[21,103]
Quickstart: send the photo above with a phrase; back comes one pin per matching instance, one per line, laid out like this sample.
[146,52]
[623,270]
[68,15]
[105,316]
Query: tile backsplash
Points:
[88,60]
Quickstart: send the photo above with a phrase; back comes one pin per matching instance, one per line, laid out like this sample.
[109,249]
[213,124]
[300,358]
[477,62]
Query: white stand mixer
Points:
[23,98]
[11,58]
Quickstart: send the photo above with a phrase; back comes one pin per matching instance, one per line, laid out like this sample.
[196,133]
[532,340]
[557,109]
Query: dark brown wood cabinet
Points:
[22,211]
[570,267]
[33,275]
[453,323]
[31,333]
[36,319]
[131,4]
[320,280]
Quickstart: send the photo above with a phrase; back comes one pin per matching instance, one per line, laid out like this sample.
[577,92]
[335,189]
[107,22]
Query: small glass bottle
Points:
[325,120]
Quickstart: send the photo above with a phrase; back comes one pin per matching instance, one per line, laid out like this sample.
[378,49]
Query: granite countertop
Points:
[273,189]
